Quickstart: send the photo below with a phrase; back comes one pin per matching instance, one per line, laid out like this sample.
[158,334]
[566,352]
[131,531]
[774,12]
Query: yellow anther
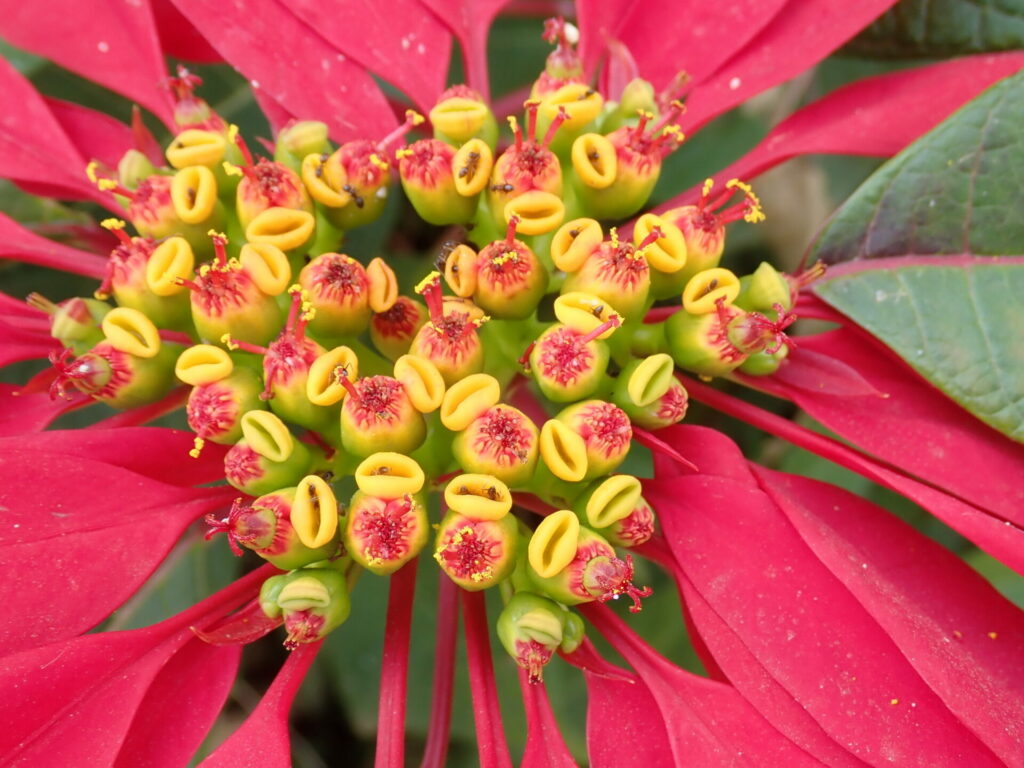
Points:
[645,114]
[513,124]
[584,312]
[504,258]
[130,331]
[232,133]
[112,224]
[539,212]
[668,253]
[231,169]
[267,266]
[651,379]
[228,342]
[100,295]
[105,185]
[267,435]
[303,594]
[531,103]
[171,263]
[287,228]
[197,447]
[194,194]
[379,161]
[675,131]
[90,172]
[563,451]
[414,117]
[468,398]
[706,189]
[553,545]
[403,152]
[427,281]
[614,236]
[203,364]
[704,290]
[574,242]
[213,233]
[613,500]
[480,497]
[382,292]
[754,212]
[323,384]
[314,513]
[422,381]
[595,160]
[389,475]
[472,166]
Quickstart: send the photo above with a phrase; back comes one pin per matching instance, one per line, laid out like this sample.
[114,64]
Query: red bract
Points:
[832,633]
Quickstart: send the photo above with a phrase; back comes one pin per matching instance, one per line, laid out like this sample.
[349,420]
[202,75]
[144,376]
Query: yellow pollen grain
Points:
[513,124]
[414,117]
[644,113]
[893,702]
[90,172]
[615,237]
[677,104]
[504,258]
[100,295]
[674,130]
[231,169]
[105,185]
[215,233]
[228,342]
[112,224]
[232,133]
[706,189]
[403,152]
[204,270]
[423,284]
[198,443]
[993,635]
[379,161]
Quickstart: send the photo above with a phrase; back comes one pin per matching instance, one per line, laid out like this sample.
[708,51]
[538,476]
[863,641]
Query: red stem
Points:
[436,750]
[394,671]
[490,737]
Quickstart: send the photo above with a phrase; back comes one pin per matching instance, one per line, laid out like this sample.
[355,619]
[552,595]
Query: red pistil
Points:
[654,236]
[219,243]
[183,86]
[384,529]
[608,577]
[771,332]
[533,657]
[501,436]
[386,145]
[241,526]
[556,123]
[302,627]
[431,292]
[341,376]
[248,169]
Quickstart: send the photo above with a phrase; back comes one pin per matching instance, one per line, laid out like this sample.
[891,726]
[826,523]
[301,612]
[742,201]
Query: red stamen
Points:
[560,118]
[638,131]
[431,293]
[192,285]
[762,325]
[256,349]
[510,232]
[123,236]
[655,235]
[813,273]
[219,243]
[341,376]
[246,154]
[675,110]
[612,322]
[524,360]
[531,106]
[184,84]
[412,119]
[609,577]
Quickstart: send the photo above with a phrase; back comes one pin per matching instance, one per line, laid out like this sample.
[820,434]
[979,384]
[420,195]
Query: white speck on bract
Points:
[103,46]
[734,83]
[254,83]
[421,49]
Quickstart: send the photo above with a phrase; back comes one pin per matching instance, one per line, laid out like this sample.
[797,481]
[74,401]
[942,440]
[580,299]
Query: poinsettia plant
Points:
[436,339]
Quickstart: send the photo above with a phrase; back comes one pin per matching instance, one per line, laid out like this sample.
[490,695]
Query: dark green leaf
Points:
[953,191]
[934,28]
[957,322]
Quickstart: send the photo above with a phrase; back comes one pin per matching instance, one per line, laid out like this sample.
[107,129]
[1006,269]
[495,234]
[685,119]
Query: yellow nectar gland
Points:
[553,545]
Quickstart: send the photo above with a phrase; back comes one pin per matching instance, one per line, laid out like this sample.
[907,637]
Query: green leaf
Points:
[957,322]
[935,28]
[953,191]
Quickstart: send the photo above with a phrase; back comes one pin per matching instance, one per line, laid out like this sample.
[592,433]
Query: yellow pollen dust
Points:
[614,234]
[894,702]
[231,169]
[198,443]
[755,213]
[706,189]
[379,161]
[90,172]
[675,131]
[232,133]
[507,256]
[425,283]
[112,224]
[403,152]
[645,114]
[513,124]
[215,233]
[228,342]
[414,117]
[105,185]
[677,104]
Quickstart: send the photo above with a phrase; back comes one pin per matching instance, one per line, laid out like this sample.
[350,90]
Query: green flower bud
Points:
[298,139]
[460,115]
[636,528]
[531,629]
[382,535]
[764,363]
[133,167]
[313,602]
[573,633]
[763,289]
[75,323]
[476,553]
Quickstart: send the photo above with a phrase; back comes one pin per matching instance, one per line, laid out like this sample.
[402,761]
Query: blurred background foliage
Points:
[335,715]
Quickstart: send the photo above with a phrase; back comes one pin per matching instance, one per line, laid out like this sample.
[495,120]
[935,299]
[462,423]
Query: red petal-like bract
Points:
[112,43]
[293,65]
[800,36]
[964,456]
[35,153]
[394,672]
[20,244]
[469,21]
[21,412]
[669,36]
[395,40]
[97,136]
[545,747]
[73,702]
[622,729]
[178,37]
[490,735]
[75,552]
[707,722]
[786,616]
[263,740]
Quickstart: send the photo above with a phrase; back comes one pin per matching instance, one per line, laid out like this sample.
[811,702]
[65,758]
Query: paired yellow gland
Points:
[705,289]
[595,160]
[286,228]
[553,545]
[323,384]
[467,398]
[131,332]
[203,364]
[388,475]
[574,242]
[422,381]
[268,267]
[667,254]
[194,194]
[170,264]
[585,312]
[478,496]
[471,167]
[563,451]
[613,500]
